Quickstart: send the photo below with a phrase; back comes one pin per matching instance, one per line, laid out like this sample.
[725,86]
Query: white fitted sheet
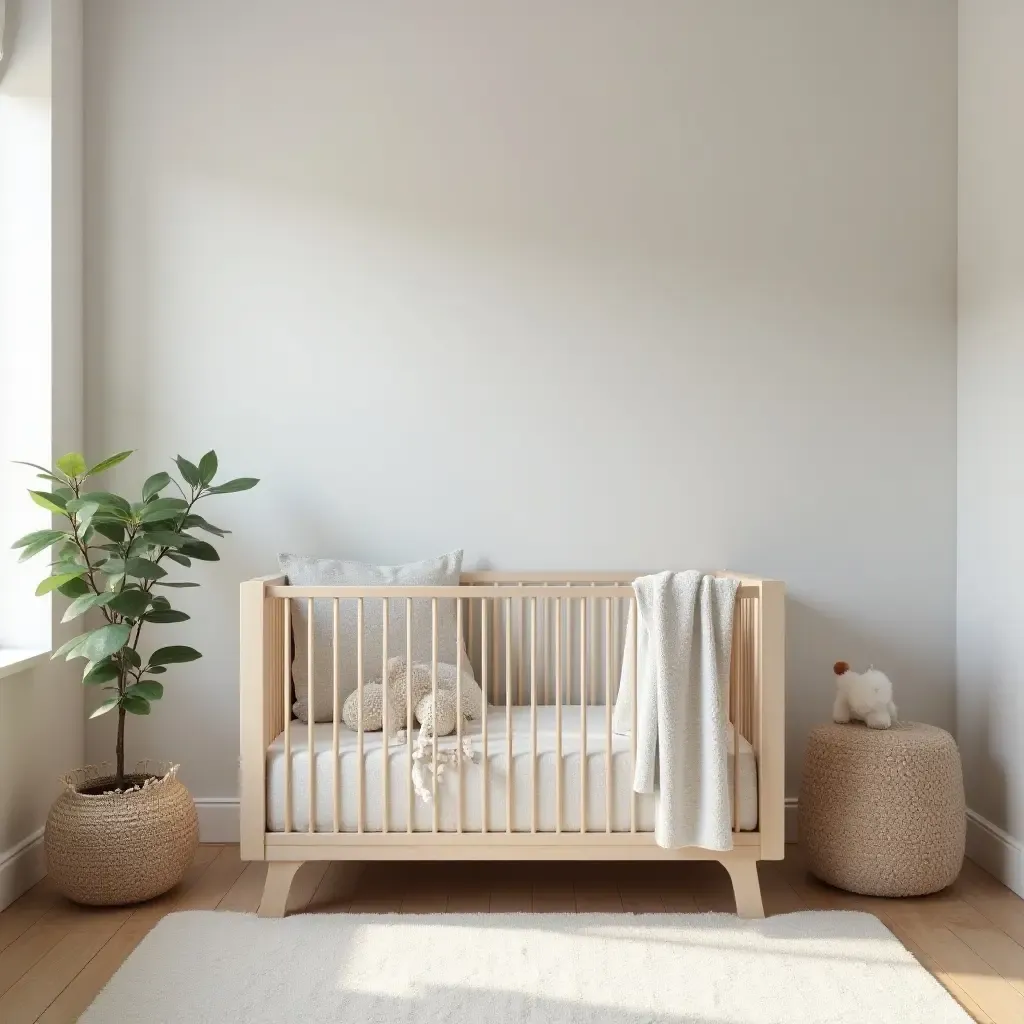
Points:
[448,785]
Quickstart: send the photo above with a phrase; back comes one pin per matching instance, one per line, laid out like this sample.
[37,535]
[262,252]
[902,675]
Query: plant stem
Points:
[119,776]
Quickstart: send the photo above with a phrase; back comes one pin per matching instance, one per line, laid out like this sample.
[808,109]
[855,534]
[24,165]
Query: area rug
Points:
[824,966]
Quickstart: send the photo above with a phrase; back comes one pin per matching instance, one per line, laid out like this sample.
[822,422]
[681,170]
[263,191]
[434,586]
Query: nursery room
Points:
[509,511]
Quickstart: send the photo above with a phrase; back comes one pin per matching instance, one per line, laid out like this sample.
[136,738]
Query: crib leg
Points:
[280,874]
[746,886]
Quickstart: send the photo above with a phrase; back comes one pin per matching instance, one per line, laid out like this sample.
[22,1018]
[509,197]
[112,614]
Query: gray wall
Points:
[614,286]
[990,507]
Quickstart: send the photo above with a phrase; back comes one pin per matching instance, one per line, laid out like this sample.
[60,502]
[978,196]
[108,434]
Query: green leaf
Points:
[143,569]
[101,672]
[243,483]
[112,567]
[148,688]
[165,538]
[33,465]
[189,471]
[135,704]
[108,463]
[34,549]
[109,501]
[173,655]
[131,656]
[156,670]
[130,603]
[160,602]
[201,550]
[83,512]
[74,588]
[180,559]
[161,509]
[165,615]
[107,705]
[33,543]
[53,582]
[103,642]
[208,467]
[50,536]
[82,604]
[110,528]
[193,521]
[70,646]
[155,484]
[51,502]
[164,583]
[72,464]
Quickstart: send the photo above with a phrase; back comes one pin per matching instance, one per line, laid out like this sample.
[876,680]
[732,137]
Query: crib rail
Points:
[535,642]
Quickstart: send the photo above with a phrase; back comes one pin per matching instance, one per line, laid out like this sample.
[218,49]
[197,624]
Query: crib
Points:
[549,778]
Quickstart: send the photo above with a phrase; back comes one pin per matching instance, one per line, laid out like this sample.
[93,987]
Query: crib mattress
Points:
[472,774]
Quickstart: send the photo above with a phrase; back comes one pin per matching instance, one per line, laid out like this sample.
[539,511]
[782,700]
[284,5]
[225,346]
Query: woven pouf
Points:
[882,812]
[112,848]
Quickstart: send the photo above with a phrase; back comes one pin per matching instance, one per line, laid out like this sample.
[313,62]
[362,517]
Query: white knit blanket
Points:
[684,645]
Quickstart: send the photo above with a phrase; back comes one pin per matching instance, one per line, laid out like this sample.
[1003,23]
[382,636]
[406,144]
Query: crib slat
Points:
[310,718]
[408,714]
[545,653]
[635,612]
[520,652]
[592,697]
[385,736]
[288,714]
[583,714]
[361,809]
[471,630]
[335,758]
[433,691]
[485,605]
[558,714]
[508,714]
[737,674]
[533,714]
[608,712]
[458,702]
[495,615]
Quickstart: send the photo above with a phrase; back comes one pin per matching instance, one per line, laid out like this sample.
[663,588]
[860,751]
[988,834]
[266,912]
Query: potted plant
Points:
[115,837]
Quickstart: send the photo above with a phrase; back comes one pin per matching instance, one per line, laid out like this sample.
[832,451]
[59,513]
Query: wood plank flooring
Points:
[55,956]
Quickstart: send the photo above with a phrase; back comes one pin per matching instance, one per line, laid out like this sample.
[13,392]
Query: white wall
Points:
[611,286]
[41,710]
[990,611]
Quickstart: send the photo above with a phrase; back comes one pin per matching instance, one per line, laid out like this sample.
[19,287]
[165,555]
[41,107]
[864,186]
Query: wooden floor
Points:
[55,956]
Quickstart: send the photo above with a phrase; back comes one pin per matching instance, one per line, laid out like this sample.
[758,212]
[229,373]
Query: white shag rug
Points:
[204,966]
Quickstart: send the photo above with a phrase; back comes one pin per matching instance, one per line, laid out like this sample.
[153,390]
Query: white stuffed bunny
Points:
[866,696]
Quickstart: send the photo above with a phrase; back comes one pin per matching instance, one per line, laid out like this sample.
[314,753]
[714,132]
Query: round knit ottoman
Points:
[882,812]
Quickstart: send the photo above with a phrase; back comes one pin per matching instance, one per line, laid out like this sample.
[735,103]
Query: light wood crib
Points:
[549,780]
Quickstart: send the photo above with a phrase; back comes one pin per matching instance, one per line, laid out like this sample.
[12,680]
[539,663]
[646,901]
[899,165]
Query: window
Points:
[26,271]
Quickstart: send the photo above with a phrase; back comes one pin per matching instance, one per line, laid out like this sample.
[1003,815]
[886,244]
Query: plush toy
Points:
[422,700]
[421,677]
[866,696]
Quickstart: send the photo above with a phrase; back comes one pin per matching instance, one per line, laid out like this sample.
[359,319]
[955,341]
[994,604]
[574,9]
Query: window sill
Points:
[14,660]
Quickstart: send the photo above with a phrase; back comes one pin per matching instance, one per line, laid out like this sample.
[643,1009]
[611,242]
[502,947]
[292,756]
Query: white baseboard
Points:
[21,867]
[218,819]
[996,851]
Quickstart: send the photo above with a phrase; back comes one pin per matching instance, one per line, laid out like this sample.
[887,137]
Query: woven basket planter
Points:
[114,848]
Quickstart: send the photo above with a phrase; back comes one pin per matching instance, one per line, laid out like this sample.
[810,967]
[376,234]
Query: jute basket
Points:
[114,848]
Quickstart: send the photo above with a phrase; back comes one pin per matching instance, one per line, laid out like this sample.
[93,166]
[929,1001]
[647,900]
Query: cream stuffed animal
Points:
[866,696]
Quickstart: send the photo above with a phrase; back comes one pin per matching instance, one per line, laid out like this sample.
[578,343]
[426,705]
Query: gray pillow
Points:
[331,572]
